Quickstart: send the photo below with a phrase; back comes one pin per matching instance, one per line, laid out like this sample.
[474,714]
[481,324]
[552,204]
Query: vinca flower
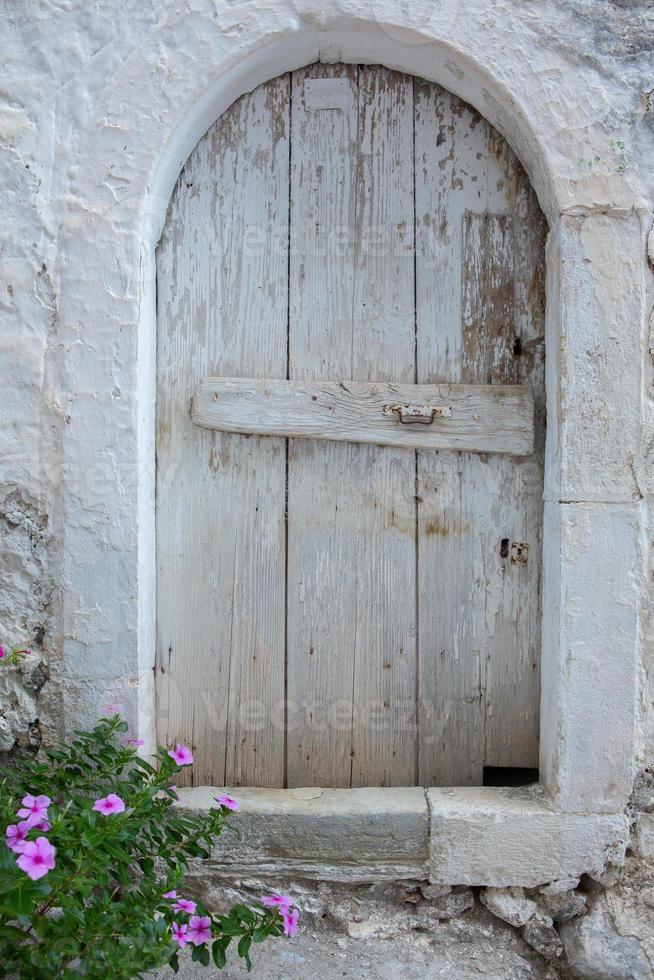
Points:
[277,901]
[290,917]
[179,934]
[199,929]
[16,835]
[109,804]
[184,905]
[228,801]
[36,858]
[113,709]
[172,894]
[182,755]
[34,808]
[41,825]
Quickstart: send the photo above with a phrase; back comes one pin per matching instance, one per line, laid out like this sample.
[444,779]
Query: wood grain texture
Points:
[351,568]
[385,668]
[514,616]
[479,612]
[221,497]
[480,418]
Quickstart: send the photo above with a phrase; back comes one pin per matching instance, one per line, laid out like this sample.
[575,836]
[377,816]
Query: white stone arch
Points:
[145,122]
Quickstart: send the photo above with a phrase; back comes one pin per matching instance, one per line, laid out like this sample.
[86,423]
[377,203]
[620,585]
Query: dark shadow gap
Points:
[509,776]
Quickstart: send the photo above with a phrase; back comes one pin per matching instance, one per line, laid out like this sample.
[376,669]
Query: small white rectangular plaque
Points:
[328,93]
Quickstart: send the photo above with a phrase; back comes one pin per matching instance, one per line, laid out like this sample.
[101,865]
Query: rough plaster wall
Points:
[60,58]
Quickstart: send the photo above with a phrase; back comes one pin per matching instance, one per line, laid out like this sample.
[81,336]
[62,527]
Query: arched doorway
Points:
[338,613]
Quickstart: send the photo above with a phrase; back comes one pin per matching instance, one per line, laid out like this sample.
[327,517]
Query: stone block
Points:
[593,581]
[595,951]
[501,838]
[541,935]
[509,904]
[595,358]
[561,905]
[338,834]
[643,838]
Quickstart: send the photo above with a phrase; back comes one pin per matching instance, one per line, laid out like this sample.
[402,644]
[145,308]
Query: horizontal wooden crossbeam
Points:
[472,418]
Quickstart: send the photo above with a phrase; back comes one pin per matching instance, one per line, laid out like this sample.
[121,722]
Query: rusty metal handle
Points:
[414,414]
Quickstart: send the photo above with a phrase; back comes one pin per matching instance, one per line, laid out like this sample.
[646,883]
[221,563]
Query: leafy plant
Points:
[14,656]
[94,857]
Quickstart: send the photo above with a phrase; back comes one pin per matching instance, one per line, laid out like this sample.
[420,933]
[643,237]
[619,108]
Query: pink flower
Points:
[199,929]
[182,755]
[135,741]
[34,808]
[16,834]
[228,801]
[184,905]
[36,858]
[113,709]
[290,917]
[179,934]
[277,901]
[2,652]
[41,825]
[109,804]
[172,894]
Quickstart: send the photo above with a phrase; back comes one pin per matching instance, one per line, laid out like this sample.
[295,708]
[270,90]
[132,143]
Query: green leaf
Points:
[123,857]
[24,896]
[147,865]
[218,953]
[11,932]
[244,912]
[7,859]
[244,946]
[173,962]
[142,764]
[65,946]
[231,928]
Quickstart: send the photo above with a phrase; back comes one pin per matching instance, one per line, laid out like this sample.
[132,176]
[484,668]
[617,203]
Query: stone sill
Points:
[461,836]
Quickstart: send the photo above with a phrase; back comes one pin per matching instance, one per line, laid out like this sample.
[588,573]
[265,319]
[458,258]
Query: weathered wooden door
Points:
[345,613]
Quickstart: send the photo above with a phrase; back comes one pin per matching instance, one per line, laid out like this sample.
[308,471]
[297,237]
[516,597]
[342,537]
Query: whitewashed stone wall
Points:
[99,106]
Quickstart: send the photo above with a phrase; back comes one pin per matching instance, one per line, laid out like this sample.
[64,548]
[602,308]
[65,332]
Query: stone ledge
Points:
[331,834]
[500,837]
[463,836]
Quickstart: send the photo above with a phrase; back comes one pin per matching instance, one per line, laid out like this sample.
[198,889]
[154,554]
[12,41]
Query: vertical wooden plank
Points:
[222,267]
[321,599]
[451,624]
[351,530]
[451,169]
[487,308]
[385,668]
[451,178]
[478,619]
[514,610]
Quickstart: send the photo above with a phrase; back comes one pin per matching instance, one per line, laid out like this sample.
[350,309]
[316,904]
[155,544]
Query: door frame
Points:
[594,557]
